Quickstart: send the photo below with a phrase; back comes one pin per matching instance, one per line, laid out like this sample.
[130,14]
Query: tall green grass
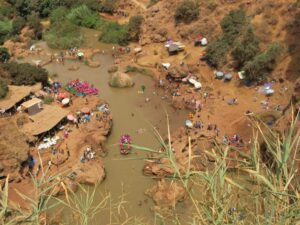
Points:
[5,29]
[256,192]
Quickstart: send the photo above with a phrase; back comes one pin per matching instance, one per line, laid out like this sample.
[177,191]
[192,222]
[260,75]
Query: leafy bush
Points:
[83,16]
[216,52]
[114,33]
[6,11]
[134,27]
[63,35]
[45,7]
[17,25]
[108,6]
[260,67]
[4,55]
[187,11]
[233,24]
[5,29]
[58,15]
[22,7]
[25,73]
[34,22]
[3,89]
[48,100]
[246,48]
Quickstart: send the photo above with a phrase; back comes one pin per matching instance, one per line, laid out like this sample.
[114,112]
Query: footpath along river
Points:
[130,113]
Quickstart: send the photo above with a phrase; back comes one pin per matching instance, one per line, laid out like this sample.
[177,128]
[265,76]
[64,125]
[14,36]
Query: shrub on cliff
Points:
[108,6]
[83,16]
[233,24]
[25,73]
[216,52]
[261,66]
[112,32]
[58,15]
[246,48]
[34,22]
[134,27]
[6,11]
[4,55]
[5,29]
[17,25]
[187,11]
[63,35]
[3,89]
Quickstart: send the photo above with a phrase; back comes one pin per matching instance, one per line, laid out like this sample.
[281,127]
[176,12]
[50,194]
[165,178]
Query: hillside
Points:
[272,21]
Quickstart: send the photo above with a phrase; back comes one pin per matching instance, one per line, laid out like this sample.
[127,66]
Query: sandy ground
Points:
[66,161]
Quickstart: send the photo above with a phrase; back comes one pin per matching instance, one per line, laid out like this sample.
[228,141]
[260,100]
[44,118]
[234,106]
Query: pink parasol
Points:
[70,117]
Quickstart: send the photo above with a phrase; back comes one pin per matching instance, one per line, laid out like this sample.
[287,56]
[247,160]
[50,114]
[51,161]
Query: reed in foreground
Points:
[257,191]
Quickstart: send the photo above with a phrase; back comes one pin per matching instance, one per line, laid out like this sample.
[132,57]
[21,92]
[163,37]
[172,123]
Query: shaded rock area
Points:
[13,149]
[120,80]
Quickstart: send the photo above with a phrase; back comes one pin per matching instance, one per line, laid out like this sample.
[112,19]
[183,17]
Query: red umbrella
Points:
[62,95]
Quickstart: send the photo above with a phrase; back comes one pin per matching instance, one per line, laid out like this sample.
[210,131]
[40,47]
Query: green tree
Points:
[216,52]
[187,11]
[63,35]
[3,89]
[59,14]
[25,73]
[134,27]
[108,6]
[17,25]
[24,7]
[114,33]
[246,48]
[83,16]
[34,22]
[4,55]
[5,29]
[233,24]
[6,11]
[261,66]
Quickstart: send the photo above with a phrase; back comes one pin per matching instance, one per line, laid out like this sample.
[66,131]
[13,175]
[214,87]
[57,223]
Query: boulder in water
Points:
[121,80]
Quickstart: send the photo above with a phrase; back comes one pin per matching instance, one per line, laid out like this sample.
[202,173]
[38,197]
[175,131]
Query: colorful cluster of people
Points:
[125,144]
[88,154]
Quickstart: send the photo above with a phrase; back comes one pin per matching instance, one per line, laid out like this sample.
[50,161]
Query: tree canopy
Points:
[25,73]
[187,11]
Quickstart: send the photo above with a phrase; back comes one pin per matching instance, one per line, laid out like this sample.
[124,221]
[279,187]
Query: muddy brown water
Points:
[130,113]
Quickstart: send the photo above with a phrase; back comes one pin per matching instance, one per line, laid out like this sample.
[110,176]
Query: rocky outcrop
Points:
[200,141]
[13,149]
[120,80]
[166,194]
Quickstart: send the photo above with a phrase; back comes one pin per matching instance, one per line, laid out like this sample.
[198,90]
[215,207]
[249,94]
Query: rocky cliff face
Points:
[273,21]
[13,149]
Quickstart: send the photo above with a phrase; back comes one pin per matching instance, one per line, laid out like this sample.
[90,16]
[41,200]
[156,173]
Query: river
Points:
[130,112]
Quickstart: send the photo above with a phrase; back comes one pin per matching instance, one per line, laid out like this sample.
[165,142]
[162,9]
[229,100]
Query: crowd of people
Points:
[88,154]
